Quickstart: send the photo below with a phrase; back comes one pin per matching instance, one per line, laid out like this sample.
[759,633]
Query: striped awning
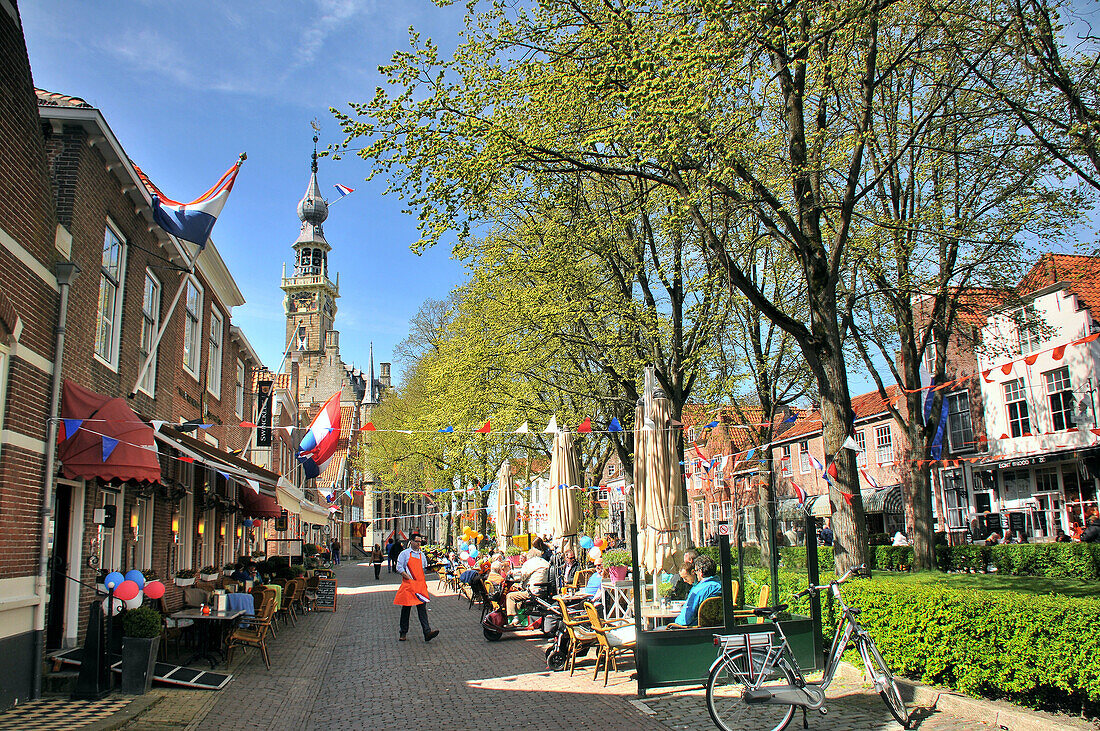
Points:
[885,500]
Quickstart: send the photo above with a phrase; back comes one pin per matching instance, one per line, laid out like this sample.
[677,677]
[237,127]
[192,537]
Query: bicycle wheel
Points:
[884,681]
[725,696]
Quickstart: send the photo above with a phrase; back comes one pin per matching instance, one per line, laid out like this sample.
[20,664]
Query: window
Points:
[691,434]
[143,550]
[611,470]
[954,493]
[601,495]
[1029,335]
[1019,423]
[110,296]
[714,512]
[785,460]
[804,457]
[240,388]
[1046,480]
[187,519]
[150,323]
[884,444]
[1016,485]
[861,442]
[214,356]
[727,509]
[1060,393]
[960,430]
[110,539]
[192,329]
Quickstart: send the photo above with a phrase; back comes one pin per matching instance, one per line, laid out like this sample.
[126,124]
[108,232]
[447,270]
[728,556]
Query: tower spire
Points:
[370,377]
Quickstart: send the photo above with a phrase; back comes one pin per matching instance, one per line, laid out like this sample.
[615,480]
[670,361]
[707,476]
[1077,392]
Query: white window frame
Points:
[964,398]
[209,539]
[239,400]
[691,434]
[107,352]
[110,548]
[187,529]
[150,324]
[1027,339]
[611,470]
[785,460]
[804,456]
[602,495]
[861,442]
[884,444]
[1058,383]
[215,352]
[192,328]
[727,509]
[144,552]
[714,508]
[1015,392]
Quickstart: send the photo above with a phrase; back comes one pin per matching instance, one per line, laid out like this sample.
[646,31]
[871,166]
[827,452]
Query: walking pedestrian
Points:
[376,558]
[395,551]
[386,551]
[335,551]
[413,591]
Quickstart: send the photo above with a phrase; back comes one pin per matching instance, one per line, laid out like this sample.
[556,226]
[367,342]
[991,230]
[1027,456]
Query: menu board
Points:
[1017,523]
[326,595]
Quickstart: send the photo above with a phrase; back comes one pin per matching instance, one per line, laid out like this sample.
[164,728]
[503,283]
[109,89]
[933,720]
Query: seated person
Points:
[682,582]
[243,572]
[534,571]
[900,539]
[594,585]
[709,585]
[1061,537]
[994,539]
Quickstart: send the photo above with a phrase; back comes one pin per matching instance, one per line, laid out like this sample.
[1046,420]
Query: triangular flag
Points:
[524,428]
[254,485]
[552,427]
[870,480]
[831,469]
[182,458]
[247,425]
[750,453]
[850,443]
[108,447]
[446,430]
[614,426]
[1006,368]
[791,419]
[369,426]
[157,424]
[847,497]
[290,429]
[799,493]
[485,429]
[711,425]
[585,427]
[1058,352]
[71,427]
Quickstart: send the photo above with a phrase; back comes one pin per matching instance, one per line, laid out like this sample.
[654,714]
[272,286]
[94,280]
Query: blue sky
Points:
[186,87]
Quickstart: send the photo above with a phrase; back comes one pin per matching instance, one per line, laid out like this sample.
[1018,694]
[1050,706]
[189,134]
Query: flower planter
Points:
[515,561]
[209,577]
[139,657]
[618,573]
[227,572]
[185,582]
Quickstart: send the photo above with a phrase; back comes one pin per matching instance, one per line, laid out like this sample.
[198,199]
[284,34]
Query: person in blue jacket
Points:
[708,585]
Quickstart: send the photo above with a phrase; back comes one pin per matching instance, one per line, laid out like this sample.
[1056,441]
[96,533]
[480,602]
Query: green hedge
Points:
[1042,651]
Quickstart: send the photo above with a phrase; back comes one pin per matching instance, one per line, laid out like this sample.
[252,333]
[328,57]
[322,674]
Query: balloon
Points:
[127,590]
[594,553]
[462,546]
[586,542]
[135,602]
[480,537]
[257,523]
[602,544]
[464,555]
[137,577]
[113,579]
[119,605]
[473,551]
[154,590]
[470,561]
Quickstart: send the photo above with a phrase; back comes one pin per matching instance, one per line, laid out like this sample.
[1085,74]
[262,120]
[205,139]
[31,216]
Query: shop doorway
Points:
[57,567]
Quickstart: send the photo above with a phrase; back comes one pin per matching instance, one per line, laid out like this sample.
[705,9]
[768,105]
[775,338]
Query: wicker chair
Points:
[254,632]
[580,633]
[610,643]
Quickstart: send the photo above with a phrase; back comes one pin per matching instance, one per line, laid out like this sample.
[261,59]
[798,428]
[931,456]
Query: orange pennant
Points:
[369,426]
[1030,359]
[1006,368]
[1058,352]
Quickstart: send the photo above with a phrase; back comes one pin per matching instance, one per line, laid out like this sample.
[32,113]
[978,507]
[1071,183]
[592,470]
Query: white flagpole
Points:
[190,271]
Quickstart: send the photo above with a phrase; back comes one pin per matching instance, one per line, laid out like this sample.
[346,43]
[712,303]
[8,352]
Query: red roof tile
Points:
[865,406]
[1081,274]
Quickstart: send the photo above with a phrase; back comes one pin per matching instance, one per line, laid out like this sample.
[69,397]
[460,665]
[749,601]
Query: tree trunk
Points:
[917,489]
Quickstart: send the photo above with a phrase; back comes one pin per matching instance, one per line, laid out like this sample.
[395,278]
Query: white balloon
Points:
[464,555]
[136,601]
[594,553]
[119,605]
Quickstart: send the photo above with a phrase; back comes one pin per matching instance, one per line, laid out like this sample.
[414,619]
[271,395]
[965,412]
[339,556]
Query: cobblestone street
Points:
[348,671]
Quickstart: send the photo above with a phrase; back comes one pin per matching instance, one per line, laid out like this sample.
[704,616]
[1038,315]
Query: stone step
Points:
[60,683]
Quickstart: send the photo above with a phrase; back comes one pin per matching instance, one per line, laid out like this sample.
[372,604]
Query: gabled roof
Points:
[1080,274]
[974,303]
[866,406]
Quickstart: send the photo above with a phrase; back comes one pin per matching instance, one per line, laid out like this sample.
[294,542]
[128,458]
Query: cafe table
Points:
[618,599]
[205,626]
[656,615]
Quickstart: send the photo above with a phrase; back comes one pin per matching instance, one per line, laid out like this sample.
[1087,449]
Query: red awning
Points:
[107,426]
[257,505]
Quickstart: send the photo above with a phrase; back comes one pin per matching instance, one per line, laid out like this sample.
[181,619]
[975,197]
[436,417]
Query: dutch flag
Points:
[319,443]
[195,220]
[343,190]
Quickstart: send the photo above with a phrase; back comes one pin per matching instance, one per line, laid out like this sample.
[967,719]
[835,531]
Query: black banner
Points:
[263,418]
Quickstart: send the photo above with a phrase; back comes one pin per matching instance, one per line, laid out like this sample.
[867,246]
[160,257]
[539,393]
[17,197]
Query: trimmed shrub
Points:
[1041,651]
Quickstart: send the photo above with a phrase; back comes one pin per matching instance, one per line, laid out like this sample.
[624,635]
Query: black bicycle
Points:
[756,683]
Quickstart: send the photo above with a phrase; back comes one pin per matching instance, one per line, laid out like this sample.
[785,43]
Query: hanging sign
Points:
[263,420]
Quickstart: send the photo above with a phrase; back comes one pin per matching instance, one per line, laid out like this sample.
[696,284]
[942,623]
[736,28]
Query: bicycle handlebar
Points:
[857,570]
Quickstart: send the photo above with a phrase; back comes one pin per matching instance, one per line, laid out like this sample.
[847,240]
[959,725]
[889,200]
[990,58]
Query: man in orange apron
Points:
[413,591]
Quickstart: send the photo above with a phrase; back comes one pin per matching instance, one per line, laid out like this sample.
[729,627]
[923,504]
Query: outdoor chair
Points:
[580,579]
[300,594]
[580,632]
[762,601]
[253,633]
[171,629]
[309,598]
[613,637]
[287,609]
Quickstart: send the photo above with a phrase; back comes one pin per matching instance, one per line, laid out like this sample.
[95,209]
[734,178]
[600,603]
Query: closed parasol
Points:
[506,505]
[564,479]
[657,495]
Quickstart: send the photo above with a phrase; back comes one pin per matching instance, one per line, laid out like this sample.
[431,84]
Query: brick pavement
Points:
[346,670]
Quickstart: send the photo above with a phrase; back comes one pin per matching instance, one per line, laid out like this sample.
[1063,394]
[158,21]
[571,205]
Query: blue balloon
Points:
[113,579]
[462,545]
[137,577]
[473,551]
[586,542]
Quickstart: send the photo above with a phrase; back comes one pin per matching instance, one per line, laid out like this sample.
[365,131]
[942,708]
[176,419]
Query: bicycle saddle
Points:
[770,612]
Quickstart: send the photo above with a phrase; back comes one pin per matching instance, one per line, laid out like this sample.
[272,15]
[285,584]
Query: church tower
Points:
[310,300]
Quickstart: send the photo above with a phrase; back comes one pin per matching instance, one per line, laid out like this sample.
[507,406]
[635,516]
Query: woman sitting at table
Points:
[244,572]
[709,585]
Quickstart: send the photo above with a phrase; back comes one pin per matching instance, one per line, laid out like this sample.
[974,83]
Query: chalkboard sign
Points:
[992,523]
[326,595]
[1016,523]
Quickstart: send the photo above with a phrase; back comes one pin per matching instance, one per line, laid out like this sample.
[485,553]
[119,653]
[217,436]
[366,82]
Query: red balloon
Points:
[154,589]
[257,523]
[127,590]
[469,561]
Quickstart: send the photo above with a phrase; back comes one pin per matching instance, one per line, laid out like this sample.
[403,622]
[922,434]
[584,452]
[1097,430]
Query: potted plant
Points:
[617,562]
[185,577]
[150,575]
[228,569]
[514,556]
[208,573]
[141,630]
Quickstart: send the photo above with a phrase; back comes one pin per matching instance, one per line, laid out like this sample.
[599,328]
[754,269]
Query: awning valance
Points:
[289,497]
[257,505]
[237,469]
[103,438]
[886,500]
[314,513]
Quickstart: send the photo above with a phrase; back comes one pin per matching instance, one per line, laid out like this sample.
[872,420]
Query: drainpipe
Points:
[65,272]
